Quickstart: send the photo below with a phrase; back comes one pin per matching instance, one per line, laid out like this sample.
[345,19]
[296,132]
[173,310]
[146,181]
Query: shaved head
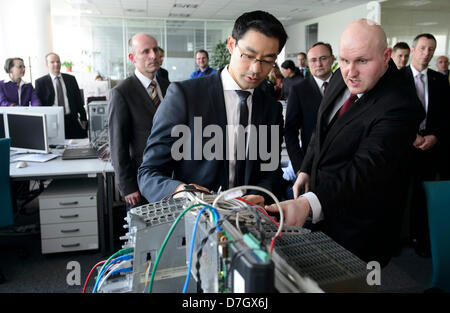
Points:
[363,55]
[144,53]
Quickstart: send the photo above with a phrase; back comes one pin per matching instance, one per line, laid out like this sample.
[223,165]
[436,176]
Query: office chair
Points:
[438,203]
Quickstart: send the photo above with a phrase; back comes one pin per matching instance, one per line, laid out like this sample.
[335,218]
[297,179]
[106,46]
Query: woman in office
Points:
[14,91]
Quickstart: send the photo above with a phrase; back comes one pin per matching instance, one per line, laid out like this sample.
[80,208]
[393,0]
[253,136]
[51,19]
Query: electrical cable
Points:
[172,228]
[121,253]
[90,273]
[191,250]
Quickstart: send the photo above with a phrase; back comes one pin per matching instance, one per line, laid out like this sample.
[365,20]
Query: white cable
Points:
[259,189]
[123,264]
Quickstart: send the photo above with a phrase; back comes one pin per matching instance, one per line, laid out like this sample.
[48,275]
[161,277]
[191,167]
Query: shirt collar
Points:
[416,72]
[145,81]
[9,80]
[229,83]
[53,76]
[320,82]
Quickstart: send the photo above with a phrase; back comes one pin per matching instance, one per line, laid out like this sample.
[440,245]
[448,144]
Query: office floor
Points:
[28,271]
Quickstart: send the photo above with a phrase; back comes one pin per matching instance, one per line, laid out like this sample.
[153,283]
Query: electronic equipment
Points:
[28,132]
[235,251]
[54,119]
[98,120]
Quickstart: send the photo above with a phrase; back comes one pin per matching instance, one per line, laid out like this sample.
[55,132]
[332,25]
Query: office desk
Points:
[64,169]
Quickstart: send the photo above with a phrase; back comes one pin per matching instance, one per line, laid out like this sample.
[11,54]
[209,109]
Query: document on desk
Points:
[36,157]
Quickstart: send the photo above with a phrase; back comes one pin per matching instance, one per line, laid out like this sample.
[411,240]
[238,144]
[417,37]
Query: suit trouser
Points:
[425,168]
[72,128]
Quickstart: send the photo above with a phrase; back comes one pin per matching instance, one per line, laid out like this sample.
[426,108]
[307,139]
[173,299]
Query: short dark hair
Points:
[288,64]
[303,53]
[9,63]
[262,22]
[400,45]
[320,43]
[202,51]
[426,35]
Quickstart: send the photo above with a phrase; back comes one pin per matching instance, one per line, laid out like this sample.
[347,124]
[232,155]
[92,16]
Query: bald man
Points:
[132,105]
[354,170]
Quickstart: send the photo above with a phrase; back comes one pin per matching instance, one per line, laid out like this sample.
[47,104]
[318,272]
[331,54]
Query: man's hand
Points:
[255,199]
[295,211]
[133,198]
[183,186]
[302,182]
[429,142]
[83,124]
[419,141]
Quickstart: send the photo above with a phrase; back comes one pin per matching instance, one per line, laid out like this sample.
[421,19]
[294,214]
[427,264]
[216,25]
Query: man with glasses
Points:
[304,100]
[229,98]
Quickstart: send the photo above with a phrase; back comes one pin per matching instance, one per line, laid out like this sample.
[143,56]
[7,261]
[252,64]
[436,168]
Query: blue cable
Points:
[120,258]
[216,215]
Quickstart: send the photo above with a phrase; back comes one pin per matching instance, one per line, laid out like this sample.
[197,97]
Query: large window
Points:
[100,44]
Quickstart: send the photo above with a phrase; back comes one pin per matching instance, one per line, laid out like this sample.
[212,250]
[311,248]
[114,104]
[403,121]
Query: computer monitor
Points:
[54,117]
[28,132]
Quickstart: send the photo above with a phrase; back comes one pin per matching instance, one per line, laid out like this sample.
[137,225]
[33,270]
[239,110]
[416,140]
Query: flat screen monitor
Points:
[54,117]
[28,132]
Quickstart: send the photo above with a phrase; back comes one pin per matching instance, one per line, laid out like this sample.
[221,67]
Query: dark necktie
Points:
[239,177]
[60,93]
[347,104]
[154,94]
[324,86]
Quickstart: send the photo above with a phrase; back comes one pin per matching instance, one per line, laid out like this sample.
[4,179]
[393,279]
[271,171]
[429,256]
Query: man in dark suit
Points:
[232,98]
[431,144]
[61,89]
[132,105]
[162,72]
[304,100]
[303,69]
[354,170]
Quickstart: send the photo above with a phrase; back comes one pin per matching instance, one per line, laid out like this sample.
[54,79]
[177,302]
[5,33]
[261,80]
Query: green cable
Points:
[165,243]
[118,253]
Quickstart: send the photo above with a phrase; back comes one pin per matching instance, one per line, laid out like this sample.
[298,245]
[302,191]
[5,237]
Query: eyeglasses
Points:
[252,59]
[321,59]
[20,66]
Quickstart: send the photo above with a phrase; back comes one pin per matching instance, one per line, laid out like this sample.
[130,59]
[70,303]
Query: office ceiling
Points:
[288,11]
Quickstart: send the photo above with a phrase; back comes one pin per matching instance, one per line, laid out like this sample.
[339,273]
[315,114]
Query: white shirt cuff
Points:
[316,207]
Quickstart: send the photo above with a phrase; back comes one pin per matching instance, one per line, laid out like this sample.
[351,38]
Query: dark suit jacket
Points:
[438,102]
[288,83]
[163,73]
[46,94]
[301,114]
[160,174]
[131,112]
[356,166]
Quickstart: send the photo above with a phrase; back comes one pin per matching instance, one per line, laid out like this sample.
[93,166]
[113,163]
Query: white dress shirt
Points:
[66,101]
[320,82]
[232,108]
[145,81]
[425,80]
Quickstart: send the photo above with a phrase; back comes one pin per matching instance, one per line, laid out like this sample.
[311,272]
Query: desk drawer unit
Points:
[68,215]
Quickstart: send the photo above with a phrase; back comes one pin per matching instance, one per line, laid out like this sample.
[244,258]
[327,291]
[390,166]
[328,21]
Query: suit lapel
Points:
[217,104]
[51,90]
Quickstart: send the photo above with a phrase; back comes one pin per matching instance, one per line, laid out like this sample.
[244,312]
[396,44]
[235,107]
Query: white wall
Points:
[330,29]
[25,32]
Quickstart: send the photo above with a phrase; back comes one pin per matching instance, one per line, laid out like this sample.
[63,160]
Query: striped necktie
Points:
[154,94]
